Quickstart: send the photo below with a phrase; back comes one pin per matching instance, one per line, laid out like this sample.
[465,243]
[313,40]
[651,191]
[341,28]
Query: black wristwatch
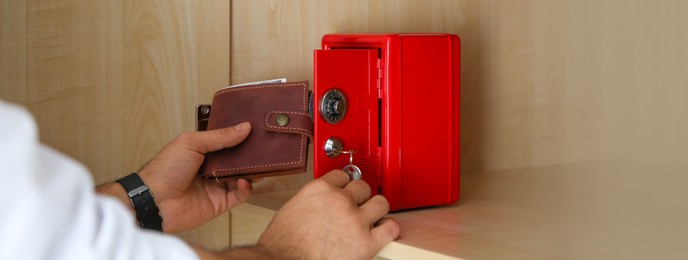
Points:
[142,200]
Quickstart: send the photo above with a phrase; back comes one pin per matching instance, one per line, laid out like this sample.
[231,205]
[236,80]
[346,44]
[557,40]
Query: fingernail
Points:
[242,127]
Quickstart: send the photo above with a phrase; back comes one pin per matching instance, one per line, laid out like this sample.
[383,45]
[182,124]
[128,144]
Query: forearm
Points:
[117,191]
[248,252]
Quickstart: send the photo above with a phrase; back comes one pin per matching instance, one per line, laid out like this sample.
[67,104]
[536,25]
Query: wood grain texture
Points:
[543,83]
[250,220]
[13,50]
[272,39]
[569,108]
[553,212]
[572,108]
[111,82]
[579,112]
[570,82]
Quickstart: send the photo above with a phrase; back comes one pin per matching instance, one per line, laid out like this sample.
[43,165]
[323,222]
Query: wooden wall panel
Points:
[111,82]
[578,109]
[569,108]
[273,39]
[12,50]
[569,82]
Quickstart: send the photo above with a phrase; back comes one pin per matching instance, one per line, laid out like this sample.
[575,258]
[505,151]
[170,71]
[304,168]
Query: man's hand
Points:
[331,218]
[185,201]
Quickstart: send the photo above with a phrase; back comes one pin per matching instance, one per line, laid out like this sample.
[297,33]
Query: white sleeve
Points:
[49,209]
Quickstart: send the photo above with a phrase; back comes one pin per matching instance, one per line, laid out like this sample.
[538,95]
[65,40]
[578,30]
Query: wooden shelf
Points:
[585,210]
[250,220]
[465,230]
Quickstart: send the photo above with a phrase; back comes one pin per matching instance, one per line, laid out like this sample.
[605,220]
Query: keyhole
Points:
[333,147]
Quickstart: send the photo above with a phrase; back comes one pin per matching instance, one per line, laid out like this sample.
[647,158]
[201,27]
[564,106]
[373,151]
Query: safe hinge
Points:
[379,78]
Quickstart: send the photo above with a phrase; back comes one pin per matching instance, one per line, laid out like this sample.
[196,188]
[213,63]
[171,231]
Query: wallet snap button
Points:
[282,119]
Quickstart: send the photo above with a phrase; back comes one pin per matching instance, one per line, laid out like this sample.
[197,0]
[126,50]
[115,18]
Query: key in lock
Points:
[333,148]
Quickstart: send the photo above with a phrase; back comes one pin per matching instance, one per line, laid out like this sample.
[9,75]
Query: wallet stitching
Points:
[304,98]
[282,127]
[257,166]
[264,165]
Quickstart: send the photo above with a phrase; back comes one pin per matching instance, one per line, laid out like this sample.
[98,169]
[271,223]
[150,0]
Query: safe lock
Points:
[333,106]
[333,147]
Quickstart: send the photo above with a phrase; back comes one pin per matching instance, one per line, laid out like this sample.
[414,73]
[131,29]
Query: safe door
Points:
[347,114]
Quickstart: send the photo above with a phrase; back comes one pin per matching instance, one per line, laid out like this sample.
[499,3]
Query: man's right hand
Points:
[331,218]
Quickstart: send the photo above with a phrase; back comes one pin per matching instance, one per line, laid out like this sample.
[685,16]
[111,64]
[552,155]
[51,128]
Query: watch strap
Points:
[147,213]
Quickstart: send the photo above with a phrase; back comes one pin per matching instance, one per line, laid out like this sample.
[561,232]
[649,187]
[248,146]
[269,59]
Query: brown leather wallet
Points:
[278,142]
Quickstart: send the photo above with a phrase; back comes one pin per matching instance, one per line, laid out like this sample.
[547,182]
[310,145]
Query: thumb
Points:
[213,140]
[239,195]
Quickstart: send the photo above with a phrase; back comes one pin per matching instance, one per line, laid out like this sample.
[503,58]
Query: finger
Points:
[240,194]
[229,185]
[383,220]
[375,208]
[213,140]
[337,178]
[387,230]
[360,191]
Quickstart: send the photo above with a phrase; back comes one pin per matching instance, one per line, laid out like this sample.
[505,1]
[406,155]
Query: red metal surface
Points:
[416,161]
[354,73]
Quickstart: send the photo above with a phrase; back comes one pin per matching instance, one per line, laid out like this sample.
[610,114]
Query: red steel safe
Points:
[394,100]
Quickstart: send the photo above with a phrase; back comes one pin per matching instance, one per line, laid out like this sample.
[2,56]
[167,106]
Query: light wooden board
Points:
[272,39]
[249,221]
[111,82]
[544,84]
[554,212]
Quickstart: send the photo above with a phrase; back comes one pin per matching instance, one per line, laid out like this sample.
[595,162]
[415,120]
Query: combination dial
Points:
[333,106]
